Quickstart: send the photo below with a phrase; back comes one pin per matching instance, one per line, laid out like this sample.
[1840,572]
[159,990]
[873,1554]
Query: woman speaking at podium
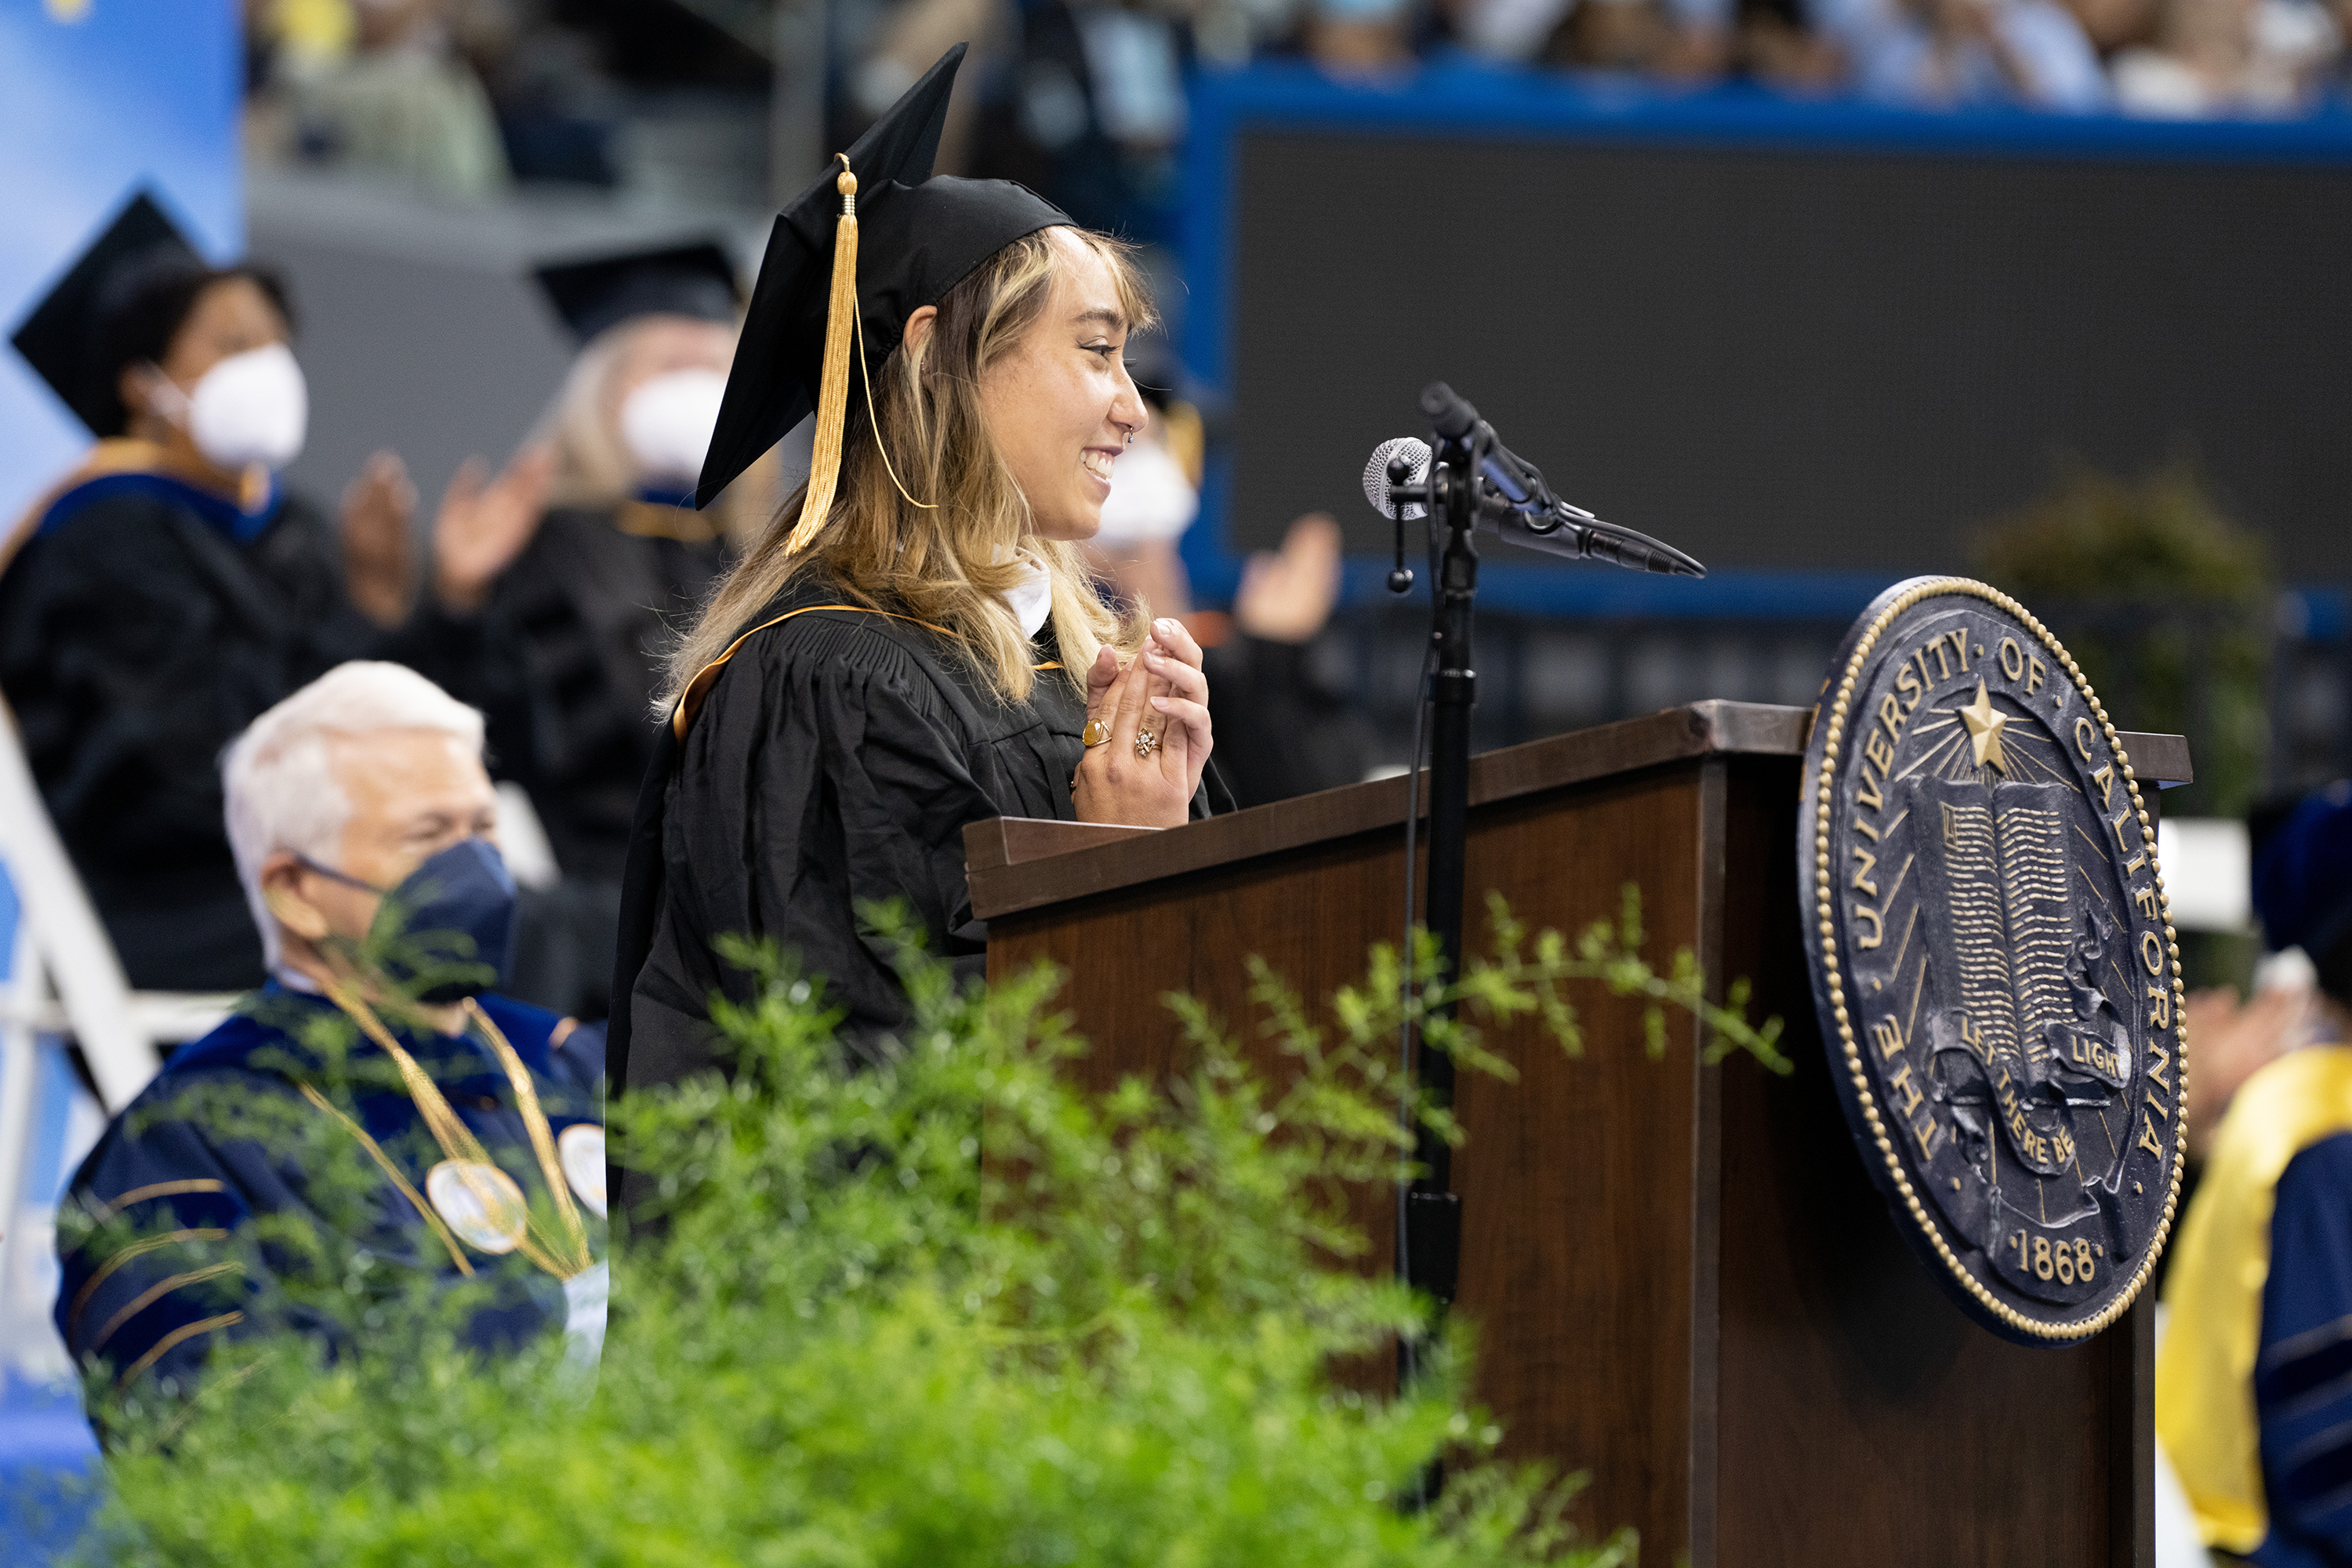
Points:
[916,643]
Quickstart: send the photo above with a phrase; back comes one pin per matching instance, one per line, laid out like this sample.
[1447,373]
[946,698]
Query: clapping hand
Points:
[379,567]
[1288,596]
[1154,717]
[482,527]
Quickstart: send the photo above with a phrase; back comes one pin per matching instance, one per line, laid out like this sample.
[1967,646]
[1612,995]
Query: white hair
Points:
[279,781]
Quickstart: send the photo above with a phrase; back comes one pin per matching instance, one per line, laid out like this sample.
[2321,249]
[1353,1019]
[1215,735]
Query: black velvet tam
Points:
[918,239]
[601,292]
[62,337]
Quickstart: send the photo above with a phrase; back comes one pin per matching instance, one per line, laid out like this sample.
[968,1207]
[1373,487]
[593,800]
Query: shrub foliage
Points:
[936,1308]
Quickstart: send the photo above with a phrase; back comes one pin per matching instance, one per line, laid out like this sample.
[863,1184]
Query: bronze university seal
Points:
[1993,959]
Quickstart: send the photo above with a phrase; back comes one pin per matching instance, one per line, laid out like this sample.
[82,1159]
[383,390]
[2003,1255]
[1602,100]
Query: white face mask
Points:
[1150,498]
[252,407]
[668,421]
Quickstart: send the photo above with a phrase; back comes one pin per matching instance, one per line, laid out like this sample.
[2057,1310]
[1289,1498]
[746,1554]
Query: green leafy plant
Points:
[2164,603]
[930,1303]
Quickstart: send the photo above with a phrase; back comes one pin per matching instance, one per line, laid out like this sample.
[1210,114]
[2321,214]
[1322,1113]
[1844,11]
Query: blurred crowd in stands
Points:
[1086,101]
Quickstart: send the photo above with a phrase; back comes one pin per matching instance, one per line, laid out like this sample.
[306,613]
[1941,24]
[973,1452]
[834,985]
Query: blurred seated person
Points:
[2115,25]
[1087,107]
[620,562]
[2253,1394]
[1679,40]
[170,589]
[1355,40]
[1773,43]
[379,85]
[2217,58]
[376,1090]
[1956,54]
[1294,736]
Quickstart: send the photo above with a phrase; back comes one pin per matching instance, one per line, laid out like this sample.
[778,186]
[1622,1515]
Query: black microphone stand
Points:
[1429,1239]
[1429,1213]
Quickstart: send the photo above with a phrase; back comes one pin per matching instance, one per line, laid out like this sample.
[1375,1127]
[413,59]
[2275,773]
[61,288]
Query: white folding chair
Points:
[64,979]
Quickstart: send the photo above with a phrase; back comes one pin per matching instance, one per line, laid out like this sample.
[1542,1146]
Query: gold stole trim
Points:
[125,455]
[651,519]
[407,1189]
[171,1340]
[115,1205]
[108,1269]
[690,702]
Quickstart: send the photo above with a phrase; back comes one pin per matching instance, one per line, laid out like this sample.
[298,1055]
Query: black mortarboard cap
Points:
[603,292]
[918,239]
[65,334]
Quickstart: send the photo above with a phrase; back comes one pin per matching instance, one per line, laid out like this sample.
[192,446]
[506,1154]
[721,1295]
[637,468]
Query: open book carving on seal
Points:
[2022,1026]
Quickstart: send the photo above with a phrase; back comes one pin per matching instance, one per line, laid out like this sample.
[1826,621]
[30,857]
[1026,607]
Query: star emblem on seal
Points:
[1993,962]
[1985,724]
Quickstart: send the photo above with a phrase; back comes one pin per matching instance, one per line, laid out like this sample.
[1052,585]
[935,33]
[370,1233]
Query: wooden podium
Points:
[1683,1279]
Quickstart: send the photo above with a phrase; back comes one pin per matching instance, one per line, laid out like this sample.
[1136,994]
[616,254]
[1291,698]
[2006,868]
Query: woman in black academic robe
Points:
[923,648]
[620,565]
[169,590]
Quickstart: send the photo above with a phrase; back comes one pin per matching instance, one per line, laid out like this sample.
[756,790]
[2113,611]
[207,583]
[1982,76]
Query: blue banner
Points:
[98,99]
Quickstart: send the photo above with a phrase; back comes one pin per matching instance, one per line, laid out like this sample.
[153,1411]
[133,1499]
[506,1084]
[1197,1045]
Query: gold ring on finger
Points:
[1095,733]
[1146,743]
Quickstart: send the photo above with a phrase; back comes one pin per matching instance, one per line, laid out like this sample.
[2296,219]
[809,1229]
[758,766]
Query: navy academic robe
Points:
[2303,1374]
[161,1261]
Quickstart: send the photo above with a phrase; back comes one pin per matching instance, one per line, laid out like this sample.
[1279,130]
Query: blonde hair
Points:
[950,563]
[591,465]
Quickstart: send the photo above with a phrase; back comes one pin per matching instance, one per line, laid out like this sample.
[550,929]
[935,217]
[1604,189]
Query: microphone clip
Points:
[1399,478]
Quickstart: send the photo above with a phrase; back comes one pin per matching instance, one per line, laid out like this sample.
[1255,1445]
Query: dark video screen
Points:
[1794,359]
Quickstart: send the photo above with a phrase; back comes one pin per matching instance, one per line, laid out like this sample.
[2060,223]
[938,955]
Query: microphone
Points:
[1557,529]
[1452,417]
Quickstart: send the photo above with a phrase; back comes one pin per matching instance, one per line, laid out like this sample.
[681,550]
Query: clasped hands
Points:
[1161,691]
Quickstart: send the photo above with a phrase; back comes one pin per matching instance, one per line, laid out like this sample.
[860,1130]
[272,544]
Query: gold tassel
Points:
[841,326]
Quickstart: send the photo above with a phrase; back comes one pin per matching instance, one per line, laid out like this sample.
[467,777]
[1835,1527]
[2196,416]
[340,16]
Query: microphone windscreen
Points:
[1376,474]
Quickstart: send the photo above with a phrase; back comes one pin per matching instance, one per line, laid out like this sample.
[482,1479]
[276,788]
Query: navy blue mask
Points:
[464,891]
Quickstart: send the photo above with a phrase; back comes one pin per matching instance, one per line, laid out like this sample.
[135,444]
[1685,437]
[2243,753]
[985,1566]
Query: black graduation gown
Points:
[837,760]
[1280,732]
[595,597]
[139,635]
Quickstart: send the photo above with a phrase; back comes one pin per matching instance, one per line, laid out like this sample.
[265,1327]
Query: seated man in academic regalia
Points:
[169,589]
[2253,1387]
[426,1131]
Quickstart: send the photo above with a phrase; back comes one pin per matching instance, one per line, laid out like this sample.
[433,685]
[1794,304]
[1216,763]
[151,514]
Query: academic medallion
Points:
[581,1152]
[480,1202]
